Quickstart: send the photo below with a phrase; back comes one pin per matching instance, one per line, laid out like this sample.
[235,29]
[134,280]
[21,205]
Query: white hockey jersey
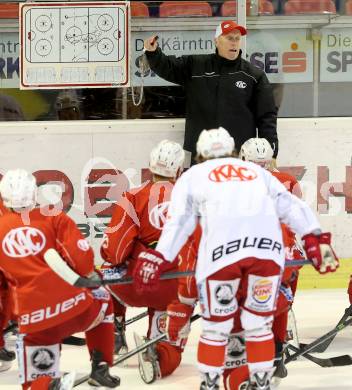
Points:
[239,206]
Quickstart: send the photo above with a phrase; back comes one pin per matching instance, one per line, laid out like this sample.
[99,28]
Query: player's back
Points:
[151,205]
[229,189]
[137,218]
[42,297]
[24,238]
[237,213]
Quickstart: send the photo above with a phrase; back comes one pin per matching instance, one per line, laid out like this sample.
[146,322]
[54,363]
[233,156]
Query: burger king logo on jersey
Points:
[23,241]
[161,321]
[230,172]
[262,290]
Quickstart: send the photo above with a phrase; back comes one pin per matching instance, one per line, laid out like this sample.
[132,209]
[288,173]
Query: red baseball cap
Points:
[227,26]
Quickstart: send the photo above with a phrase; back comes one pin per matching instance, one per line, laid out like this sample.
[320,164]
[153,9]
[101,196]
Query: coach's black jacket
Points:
[233,94]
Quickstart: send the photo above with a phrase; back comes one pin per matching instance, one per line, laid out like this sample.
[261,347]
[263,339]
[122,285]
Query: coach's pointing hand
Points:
[151,43]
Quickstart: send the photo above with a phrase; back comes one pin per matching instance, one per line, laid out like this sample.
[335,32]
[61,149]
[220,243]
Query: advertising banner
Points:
[336,55]
[9,59]
[285,55]
[84,171]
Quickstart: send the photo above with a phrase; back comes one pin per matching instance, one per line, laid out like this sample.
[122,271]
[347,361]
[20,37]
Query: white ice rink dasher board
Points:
[67,45]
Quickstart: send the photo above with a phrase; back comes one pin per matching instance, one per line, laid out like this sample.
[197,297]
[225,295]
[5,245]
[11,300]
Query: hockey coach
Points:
[222,89]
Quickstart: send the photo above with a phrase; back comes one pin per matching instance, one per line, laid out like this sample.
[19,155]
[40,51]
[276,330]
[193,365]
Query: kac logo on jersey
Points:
[262,290]
[229,172]
[158,214]
[241,84]
[23,241]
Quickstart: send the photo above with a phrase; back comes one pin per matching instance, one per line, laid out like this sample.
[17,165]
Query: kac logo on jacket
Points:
[241,84]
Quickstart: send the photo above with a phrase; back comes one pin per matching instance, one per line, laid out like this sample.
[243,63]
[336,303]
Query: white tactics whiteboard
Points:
[67,45]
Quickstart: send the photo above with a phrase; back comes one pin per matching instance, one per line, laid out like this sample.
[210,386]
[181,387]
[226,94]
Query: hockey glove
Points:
[320,252]
[349,291]
[178,325]
[146,274]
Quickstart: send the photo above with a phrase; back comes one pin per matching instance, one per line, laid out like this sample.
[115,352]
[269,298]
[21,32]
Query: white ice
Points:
[317,312]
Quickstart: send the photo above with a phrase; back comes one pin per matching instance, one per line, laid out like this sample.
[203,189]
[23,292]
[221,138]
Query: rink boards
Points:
[84,166]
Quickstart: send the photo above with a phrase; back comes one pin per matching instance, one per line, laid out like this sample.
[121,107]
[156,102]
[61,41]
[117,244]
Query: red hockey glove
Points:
[179,315]
[146,274]
[349,291]
[320,253]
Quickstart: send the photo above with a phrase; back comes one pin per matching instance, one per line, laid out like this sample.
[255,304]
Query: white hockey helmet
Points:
[215,143]
[257,150]
[167,159]
[18,189]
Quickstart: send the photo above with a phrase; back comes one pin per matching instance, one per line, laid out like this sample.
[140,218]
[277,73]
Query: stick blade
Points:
[336,361]
[344,360]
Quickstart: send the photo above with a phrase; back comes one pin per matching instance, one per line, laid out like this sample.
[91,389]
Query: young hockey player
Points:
[236,374]
[239,206]
[259,151]
[136,224]
[39,254]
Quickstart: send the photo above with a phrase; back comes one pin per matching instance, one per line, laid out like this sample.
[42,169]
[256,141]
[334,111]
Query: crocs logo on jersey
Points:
[262,290]
[43,359]
[236,346]
[241,84]
[23,241]
[224,294]
[229,172]
[158,214]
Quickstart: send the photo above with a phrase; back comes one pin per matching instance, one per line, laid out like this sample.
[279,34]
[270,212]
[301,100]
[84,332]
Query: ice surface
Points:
[317,312]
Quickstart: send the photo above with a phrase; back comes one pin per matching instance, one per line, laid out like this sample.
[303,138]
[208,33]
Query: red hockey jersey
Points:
[136,222]
[289,181]
[42,298]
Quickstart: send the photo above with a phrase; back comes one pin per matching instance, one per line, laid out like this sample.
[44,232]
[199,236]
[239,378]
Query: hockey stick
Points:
[78,341]
[324,346]
[136,318]
[322,339]
[167,276]
[175,275]
[147,344]
[337,361]
[126,356]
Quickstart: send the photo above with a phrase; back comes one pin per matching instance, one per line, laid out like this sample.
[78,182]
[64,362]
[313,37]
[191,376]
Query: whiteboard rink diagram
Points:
[85,44]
